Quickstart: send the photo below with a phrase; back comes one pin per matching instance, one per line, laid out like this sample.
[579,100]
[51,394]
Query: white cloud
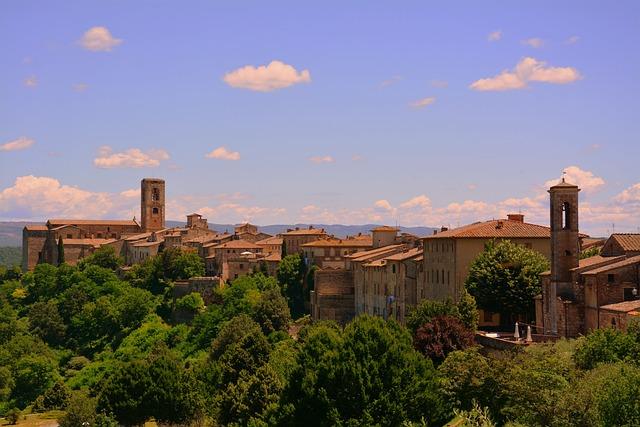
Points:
[421,201]
[533,42]
[266,78]
[31,81]
[134,192]
[526,71]
[21,143]
[223,154]
[131,158]
[383,204]
[572,40]
[39,197]
[421,103]
[99,39]
[586,180]
[80,87]
[494,36]
[629,195]
[322,159]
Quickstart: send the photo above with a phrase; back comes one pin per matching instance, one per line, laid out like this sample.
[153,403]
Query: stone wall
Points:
[333,296]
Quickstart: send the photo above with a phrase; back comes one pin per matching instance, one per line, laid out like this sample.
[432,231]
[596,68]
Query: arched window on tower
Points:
[566,216]
[155,195]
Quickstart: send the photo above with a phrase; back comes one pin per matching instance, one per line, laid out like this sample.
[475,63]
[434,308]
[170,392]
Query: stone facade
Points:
[293,239]
[152,204]
[333,295]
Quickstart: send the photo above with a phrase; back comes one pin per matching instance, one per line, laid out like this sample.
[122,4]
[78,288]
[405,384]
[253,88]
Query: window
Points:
[448,277]
[566,216]
[393,269]
[69,236]
[155,211]
[611,278]
[629,294]
[155,195]
[99,235]
[241,266]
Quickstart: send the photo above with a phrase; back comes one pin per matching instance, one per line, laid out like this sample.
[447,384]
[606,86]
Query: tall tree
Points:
[291,275]
[60,251]
[505,279]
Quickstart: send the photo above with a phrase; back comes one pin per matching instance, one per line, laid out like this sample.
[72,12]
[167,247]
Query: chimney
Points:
[515,217]
[442,229]
[435,232]
[500,224]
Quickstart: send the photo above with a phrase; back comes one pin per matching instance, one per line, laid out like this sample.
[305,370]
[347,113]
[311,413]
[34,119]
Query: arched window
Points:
[566,216]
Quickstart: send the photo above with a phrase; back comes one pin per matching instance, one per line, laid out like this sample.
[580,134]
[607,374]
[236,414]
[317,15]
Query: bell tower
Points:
[565,244]
[152,204]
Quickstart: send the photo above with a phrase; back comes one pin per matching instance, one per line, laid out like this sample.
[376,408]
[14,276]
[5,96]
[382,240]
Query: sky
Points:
[411,112]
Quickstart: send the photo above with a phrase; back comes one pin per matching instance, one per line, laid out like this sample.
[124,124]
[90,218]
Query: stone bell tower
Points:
[565,245]
[152,204]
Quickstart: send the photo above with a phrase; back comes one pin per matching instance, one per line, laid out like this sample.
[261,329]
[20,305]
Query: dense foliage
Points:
[10,256]
[102,346]
[505,279]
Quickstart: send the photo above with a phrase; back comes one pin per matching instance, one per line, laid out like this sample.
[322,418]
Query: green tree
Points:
[367,374]
[291,275]
[607,346]
[272,312]
[123,393]
[465,311]
[60,251]
[45,321]
[82,411]
[505,278]
[104,256]
[192,303]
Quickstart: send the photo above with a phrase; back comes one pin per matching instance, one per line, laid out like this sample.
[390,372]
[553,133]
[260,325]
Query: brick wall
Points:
[333,296]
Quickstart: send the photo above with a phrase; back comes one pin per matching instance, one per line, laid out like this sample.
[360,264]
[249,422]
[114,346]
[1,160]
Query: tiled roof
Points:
[589,242]
[591,262]
[57,222]
[376,263]
[275,257]
[305,232]
[237,244]
[36,227]
[401,256]
[624,307]
[496,229]
[87,242]
[364,255]
[270,241]
[386,228]
[629,242]
[614,266]
[349,243]
[564,184]
[137,237]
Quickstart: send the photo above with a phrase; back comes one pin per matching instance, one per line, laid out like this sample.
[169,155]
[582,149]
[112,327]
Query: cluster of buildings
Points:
[384,273]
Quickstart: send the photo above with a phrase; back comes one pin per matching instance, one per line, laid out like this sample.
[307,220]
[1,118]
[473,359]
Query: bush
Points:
[13,416]
[441,336]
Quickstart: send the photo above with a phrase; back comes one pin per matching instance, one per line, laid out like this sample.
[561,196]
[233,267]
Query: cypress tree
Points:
[60,251]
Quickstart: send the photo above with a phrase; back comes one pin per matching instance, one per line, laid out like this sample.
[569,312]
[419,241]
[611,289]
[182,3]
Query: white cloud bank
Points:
[221,153]
[21,143]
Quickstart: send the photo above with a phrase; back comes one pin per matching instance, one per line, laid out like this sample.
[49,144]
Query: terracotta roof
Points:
[270,241]
[57,222]
[629,242]
[497,228]
[137,237]
[275,257]
[592,262]
[305,232]
[624,307]
[237,244]
[589,242]
[364,255]
[614,266]
[401,256]
[376,263]
[386,228]
[349,243]
[36,227]
[87,242]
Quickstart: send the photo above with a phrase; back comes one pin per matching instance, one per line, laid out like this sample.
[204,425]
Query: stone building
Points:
[81,237]
[293,239]
[271,245]
[330,252]
[580,295]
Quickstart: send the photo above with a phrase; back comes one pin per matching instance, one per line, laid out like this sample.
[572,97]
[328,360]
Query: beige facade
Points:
[294,239]
[330,252]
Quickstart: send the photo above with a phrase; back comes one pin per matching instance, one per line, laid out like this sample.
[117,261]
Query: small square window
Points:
[611,278]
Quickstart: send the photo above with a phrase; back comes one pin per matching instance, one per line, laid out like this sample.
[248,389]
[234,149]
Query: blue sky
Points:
[344,142]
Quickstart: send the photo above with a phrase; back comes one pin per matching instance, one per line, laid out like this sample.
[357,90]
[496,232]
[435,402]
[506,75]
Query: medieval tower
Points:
[152,204]
[565,245]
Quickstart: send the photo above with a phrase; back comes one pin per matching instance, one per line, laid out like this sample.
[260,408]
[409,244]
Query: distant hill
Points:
[11,231]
